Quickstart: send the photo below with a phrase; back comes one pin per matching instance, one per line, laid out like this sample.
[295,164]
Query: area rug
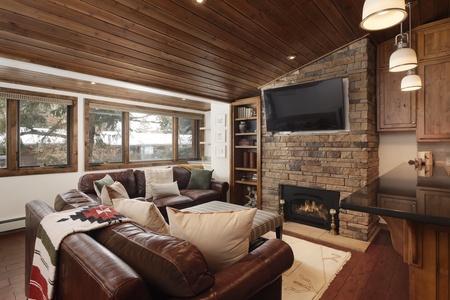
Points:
[315,266]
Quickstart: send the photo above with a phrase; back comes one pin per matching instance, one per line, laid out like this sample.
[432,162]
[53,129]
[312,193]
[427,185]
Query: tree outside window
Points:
[37,133]
[150,137]
[105,136]
[42,134]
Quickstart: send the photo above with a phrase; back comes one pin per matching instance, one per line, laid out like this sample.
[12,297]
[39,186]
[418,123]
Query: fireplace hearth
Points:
[310,206]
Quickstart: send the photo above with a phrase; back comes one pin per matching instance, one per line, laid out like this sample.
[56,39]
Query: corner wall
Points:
[341,161]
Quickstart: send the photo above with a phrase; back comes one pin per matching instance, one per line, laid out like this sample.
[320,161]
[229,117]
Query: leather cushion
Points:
[126,178]
[169,266]
[181,176]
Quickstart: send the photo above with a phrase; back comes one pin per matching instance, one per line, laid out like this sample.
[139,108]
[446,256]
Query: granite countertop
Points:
[406,193]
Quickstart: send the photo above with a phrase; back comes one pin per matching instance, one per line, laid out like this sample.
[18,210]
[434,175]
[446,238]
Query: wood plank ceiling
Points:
[223,50]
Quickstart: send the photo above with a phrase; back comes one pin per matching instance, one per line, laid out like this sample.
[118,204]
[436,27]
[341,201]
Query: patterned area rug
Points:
[314,268]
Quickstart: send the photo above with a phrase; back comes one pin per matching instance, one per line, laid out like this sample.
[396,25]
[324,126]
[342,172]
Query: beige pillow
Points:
[156,176]
[164,190]
[222,237]
[144,213]
[115,190]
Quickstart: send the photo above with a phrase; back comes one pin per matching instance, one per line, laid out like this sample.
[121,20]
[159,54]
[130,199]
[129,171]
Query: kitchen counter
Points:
[402,193]
[417,210]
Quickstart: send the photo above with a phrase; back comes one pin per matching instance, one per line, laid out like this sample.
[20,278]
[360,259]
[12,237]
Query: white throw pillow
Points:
[109,192]
[153,175]
[222,237]
[144,213]
[164,190]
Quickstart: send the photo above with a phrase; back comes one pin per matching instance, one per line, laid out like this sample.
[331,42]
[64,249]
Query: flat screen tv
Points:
[314,106]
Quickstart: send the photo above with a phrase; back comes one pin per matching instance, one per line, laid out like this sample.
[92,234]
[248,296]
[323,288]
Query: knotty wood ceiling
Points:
[222,51]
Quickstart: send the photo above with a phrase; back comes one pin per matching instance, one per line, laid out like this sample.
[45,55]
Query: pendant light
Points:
[411,82]
[382,14]
[404,58]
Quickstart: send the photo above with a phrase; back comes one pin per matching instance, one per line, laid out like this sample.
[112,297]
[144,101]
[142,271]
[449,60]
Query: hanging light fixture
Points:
[382,14]
[411,82]
[404,58]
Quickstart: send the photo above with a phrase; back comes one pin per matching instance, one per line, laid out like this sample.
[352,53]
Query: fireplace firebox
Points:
[310,206]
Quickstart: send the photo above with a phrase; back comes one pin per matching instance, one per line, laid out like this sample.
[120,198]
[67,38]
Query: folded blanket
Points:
[189,167]
[51,231]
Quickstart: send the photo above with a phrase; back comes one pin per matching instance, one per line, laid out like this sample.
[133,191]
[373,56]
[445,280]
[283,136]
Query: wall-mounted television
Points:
[312,106]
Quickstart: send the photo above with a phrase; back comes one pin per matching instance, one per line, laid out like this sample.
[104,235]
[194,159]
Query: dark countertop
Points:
[402,193]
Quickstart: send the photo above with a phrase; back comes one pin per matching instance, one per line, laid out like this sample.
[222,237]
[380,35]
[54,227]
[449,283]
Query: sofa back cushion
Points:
[170,266]
[126,178]
[182,176]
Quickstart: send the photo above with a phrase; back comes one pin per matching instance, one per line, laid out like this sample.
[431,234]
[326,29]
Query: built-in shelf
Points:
[246,182]
[245,176]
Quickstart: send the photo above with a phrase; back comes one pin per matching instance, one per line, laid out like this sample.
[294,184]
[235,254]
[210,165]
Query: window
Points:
[150,137]
[186,146]
[37,133]
[105,136]
[3,139]
[123,136]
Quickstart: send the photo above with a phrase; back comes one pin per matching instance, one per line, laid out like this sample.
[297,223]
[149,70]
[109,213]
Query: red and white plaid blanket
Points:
[52,230]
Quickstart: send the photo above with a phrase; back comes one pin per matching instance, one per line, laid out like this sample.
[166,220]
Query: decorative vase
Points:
[242,127]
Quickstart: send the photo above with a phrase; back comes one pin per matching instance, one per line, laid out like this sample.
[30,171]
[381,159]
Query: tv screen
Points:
[314,106]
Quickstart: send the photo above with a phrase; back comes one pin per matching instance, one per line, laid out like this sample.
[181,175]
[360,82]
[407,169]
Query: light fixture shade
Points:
[411,82]
[381,14]
[403,59]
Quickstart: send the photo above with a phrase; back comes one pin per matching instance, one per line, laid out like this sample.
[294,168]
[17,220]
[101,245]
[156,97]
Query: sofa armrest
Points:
[256,276]
[73,199]
[221,187]
[34,212]
[99,273]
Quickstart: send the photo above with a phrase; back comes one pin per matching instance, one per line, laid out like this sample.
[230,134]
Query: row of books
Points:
[245,112]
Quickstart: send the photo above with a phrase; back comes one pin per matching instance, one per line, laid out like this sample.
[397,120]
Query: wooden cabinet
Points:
[427,109]
[397,109]
[402,203]
[434,40]
[245,167]
[434,101]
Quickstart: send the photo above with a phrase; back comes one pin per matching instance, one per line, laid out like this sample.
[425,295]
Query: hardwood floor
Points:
[379,273]
[12,266]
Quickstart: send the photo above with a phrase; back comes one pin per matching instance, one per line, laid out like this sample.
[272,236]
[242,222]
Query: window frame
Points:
[126,109]
[13,131]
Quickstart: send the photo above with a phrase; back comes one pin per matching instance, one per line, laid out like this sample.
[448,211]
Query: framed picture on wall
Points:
[221,136]
[221,151]
[221,120]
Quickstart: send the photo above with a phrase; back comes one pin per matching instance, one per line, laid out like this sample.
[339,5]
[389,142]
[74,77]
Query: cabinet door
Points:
[396,109]
[401,203]
[434,101]
[434,42]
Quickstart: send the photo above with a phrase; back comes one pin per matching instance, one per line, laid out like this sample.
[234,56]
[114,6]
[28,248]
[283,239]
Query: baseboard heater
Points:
[12,220]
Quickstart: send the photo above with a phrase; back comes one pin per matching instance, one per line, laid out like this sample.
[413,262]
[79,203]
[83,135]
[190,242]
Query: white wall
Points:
[396,148]
[220,165]
[16,191]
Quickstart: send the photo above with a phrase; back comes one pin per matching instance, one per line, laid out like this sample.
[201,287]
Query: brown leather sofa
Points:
[134,183]
[126,261]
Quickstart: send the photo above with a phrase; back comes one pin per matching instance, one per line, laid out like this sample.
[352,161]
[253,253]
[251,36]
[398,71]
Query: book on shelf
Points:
[245,112]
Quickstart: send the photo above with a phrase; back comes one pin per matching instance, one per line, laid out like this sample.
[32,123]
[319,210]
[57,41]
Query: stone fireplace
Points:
[341,161]
[310,206]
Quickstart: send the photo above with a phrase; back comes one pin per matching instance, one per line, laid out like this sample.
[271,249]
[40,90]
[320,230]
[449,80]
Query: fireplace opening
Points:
[310,206]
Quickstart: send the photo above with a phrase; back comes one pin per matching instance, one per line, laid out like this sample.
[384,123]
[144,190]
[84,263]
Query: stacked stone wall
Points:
[340,161]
